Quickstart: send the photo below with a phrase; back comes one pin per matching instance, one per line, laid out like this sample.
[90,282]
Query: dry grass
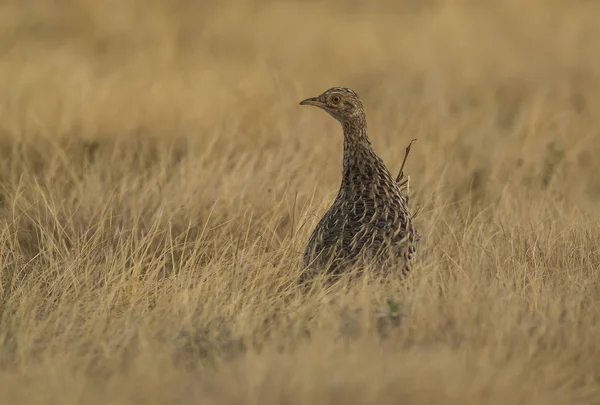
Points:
[159,182]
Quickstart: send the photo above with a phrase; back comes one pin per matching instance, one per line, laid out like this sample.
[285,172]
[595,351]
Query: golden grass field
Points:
[158,183]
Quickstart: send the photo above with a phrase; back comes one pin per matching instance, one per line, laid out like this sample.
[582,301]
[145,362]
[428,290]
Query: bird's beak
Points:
[312,101]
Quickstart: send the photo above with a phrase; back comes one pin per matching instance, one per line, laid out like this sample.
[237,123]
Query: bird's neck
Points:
[358,152]
[355,135]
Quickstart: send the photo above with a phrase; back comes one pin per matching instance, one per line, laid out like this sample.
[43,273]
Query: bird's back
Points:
[369,219]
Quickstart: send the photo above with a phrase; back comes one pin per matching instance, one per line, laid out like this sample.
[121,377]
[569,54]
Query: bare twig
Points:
[401,174]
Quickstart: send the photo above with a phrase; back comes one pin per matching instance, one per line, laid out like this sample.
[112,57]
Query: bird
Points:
[369,221]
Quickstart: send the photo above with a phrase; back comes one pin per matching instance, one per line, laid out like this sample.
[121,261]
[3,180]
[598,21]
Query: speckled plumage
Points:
[369,219]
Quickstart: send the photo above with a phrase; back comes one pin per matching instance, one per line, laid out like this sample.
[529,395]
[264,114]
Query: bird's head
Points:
[341,103]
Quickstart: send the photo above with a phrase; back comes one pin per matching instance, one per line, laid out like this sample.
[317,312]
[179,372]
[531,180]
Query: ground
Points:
[158,183]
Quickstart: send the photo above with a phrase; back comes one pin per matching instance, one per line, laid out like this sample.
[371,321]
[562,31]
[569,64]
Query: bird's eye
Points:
[335,99]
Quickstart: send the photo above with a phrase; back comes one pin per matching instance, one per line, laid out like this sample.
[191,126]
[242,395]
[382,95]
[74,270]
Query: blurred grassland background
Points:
[158,183]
